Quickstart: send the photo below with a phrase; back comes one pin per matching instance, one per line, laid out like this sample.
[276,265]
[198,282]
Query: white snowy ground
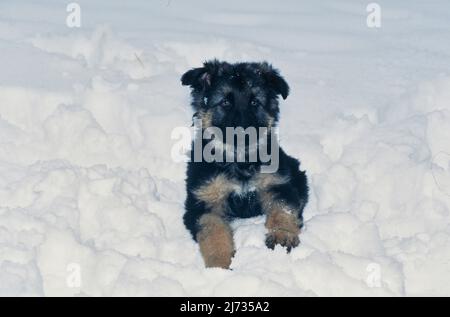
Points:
[87,181]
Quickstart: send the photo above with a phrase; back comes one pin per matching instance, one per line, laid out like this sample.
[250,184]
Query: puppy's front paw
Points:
[282,237]
[221,260]
[284,229]
[216,241]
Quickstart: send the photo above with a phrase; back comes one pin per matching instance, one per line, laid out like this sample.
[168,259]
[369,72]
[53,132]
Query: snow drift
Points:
[88,186]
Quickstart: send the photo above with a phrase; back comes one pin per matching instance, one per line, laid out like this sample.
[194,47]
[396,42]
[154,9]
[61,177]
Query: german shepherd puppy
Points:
[242,95]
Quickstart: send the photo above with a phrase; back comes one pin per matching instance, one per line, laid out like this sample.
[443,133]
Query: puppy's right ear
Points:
[197,78]
[201,78]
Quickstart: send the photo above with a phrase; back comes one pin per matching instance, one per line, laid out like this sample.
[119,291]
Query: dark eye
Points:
[254,102]
[226,103]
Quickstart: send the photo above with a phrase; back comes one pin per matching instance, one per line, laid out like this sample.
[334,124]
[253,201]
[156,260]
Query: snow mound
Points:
[91,202]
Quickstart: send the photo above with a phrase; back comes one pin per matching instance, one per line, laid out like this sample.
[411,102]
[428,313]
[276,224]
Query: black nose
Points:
[241,112]
[241,119]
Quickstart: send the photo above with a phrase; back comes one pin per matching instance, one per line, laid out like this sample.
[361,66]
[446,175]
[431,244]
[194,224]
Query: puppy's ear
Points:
[275,80]
[279,84]
[199,78]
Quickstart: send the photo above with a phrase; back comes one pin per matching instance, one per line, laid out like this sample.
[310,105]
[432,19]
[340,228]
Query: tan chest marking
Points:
[216,191]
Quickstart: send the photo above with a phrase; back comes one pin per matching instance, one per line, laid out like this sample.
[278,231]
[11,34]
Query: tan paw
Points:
[222,260]
[282,237]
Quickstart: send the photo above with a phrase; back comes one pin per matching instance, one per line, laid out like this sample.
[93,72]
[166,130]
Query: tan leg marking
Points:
[216,241]
[284,229]
[215,237]
[282,222]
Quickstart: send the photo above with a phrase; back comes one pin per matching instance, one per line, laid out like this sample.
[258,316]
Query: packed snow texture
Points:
[91,201]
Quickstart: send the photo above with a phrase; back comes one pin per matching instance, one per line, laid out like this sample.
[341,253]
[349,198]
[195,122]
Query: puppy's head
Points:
[236,95]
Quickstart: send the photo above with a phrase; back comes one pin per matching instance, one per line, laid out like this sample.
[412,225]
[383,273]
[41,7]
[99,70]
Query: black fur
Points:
[241,94]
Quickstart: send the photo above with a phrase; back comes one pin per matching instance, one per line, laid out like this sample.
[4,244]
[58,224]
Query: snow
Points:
[91,201]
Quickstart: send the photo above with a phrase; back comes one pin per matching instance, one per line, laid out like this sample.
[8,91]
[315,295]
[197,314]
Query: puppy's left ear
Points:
[275,80]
